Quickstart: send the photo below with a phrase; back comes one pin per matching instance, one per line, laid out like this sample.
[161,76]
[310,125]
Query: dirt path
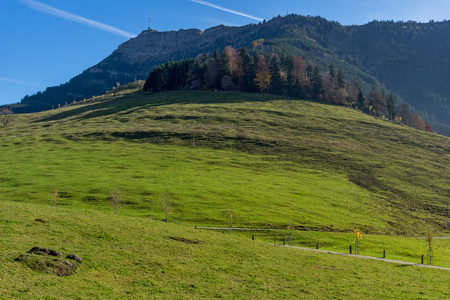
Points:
[370,257]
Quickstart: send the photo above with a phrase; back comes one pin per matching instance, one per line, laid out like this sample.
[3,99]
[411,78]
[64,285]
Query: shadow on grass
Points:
[140,100]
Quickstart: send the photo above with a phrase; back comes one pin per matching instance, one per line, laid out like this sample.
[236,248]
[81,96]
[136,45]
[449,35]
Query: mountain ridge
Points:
[379,53]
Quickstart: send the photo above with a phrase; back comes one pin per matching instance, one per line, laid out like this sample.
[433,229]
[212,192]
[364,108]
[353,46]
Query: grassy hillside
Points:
[270,160]
[135,258]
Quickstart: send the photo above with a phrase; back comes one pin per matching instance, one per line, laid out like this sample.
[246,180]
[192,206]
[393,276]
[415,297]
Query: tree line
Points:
[242,70]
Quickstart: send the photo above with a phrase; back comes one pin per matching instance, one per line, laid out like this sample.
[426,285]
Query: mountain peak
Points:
[152,44]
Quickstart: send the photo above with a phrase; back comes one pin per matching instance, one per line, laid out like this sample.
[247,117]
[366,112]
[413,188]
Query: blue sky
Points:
[47,42]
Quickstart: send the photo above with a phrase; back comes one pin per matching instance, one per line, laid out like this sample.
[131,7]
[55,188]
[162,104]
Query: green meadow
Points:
[269,160]
[131,257]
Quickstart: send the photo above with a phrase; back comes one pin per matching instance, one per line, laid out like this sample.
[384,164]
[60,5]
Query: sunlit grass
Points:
[128,257]
[271,160]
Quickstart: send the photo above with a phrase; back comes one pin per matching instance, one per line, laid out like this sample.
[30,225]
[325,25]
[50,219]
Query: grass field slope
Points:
[268,160]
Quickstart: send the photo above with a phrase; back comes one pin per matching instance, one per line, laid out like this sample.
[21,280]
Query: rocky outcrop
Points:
[50,261]
[39,250]
[155,46]
[152,44]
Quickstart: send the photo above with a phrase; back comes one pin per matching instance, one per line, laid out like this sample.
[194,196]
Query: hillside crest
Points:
[407,58]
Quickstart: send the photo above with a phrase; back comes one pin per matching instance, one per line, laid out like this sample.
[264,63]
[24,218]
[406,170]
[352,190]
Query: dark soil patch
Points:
[185,240]
[42,221]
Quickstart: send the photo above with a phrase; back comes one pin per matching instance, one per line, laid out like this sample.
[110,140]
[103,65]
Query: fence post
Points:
[350,249]
[317,246]
[284,241]
[384,253]
[422,259]
[253,237]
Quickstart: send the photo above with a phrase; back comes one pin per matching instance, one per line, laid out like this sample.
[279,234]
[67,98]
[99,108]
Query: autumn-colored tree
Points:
[418,123]
[378,101]
[232,54]
[6,116]
[299,80]
[358,235]
[227,80]
[242,70]
[341,97]
[235,66]
[429,128]
[262,79]
[299,71]
[212,74]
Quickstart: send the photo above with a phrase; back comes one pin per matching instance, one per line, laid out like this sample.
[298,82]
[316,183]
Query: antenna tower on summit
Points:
[149,15]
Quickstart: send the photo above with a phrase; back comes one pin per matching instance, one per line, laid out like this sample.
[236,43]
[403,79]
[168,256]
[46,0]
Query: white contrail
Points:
[75,18]
[15,81]
[227,10]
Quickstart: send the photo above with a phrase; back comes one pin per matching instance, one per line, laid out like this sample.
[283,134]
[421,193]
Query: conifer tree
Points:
[256,59]
[331,70]
[276,83]
[249,71]
[361,100]
[309,72]
[216,55]
[287,63]
[317,83]
[392,106]
[225,64]
[341,79]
